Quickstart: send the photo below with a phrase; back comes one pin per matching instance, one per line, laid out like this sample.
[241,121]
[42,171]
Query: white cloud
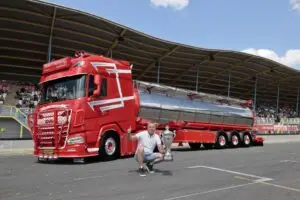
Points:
[175,4]
[295,4]
[291,57]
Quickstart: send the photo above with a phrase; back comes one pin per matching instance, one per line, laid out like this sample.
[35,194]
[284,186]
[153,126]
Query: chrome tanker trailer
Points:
[198,118]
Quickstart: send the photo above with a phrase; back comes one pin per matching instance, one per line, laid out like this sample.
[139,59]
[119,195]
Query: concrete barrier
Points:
[18,147]
[273,139]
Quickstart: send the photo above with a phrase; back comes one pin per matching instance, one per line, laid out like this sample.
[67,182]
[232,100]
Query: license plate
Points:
[48,151]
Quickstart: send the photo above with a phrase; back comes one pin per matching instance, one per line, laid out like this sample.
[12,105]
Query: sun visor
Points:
[57,65]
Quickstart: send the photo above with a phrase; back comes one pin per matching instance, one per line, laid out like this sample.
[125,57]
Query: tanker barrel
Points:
[163,104]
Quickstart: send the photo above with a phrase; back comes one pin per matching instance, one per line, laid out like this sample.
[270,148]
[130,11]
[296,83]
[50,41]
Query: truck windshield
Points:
[64,89]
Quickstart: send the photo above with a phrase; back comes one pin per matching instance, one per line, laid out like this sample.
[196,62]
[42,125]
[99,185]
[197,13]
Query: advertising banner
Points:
[276,129]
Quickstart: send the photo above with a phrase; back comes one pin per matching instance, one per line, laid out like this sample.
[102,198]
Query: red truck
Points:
[89,101]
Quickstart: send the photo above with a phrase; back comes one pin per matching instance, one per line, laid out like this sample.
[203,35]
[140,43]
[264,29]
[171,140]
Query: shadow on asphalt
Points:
[90,160]
[93,160]
[157,171]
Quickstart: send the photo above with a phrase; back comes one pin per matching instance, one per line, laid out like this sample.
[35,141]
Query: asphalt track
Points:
[269,172]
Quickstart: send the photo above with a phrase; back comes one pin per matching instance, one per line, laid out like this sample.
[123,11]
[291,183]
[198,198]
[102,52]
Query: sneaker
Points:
[142,172]
[150,167]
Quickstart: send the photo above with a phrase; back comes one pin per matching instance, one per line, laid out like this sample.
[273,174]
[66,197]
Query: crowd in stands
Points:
[3,92]
[24,96]
[27,97]
[269,111]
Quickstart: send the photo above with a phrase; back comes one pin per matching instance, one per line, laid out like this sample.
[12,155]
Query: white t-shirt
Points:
[147,141]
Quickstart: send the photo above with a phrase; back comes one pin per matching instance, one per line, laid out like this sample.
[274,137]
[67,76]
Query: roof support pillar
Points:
[197,79]
[158,71]
[50,37]
[119,38]
[229,79]
[297,105]
[277,107]
[255,90]
[152,64]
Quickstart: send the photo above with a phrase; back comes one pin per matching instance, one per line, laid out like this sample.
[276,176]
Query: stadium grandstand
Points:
[35,32]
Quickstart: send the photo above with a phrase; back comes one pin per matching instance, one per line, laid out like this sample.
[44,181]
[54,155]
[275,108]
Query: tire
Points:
[109,146]
[235,140]
[40,160]
[247,140]
[222,141]
[195,146]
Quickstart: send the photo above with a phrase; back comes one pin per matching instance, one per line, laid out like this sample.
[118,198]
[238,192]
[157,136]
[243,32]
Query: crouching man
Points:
[147,141]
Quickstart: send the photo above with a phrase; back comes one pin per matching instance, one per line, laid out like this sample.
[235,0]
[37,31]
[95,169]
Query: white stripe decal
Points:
[107,101]
[117,71]
[105,108]
[120,71]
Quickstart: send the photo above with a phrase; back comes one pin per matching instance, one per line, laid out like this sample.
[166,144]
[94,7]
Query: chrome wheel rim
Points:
[110,146]
[235,140]
[222,140]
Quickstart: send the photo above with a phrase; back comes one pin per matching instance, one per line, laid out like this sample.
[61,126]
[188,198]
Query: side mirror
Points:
[97,82]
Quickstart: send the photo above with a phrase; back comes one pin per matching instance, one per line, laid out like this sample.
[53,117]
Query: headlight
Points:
[76,140]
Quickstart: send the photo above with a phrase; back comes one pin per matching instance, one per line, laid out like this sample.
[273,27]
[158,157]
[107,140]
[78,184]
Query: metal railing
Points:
[15,113]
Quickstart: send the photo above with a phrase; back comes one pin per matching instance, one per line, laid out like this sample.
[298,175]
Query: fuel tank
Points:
[162,103]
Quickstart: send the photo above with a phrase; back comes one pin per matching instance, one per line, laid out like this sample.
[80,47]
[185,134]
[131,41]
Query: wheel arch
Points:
[235,132]
[108,128]
[224,133]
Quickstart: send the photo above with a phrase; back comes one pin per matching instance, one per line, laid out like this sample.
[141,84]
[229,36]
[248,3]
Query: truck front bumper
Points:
[73,151]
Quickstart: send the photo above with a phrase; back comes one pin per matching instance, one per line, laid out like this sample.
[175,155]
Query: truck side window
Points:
[103,91]
[91,85]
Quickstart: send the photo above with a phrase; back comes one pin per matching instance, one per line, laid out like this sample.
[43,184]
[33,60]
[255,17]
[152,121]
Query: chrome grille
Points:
[50,133]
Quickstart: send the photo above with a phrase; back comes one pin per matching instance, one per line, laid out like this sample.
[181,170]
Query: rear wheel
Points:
[246,139]
[195,146]
[221,141]
[109,146]
[235,140]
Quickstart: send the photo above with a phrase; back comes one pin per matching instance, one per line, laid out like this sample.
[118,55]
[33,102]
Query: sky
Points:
[268,28]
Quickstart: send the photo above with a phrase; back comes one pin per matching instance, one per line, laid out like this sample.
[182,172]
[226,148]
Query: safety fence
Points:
[13,123]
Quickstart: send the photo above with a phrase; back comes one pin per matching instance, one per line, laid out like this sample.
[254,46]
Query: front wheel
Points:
[109,147]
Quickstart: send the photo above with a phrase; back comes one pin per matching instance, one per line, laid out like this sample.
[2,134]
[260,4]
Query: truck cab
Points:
[88,103]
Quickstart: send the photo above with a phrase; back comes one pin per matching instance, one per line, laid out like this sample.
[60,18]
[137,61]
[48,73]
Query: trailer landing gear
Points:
[195,146]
